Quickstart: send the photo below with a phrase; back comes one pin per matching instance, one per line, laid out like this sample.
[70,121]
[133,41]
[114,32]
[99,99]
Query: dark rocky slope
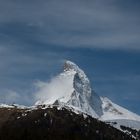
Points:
[54,124]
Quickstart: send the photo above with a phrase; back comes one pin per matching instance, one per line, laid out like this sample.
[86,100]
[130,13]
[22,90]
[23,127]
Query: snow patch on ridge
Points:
[116,112]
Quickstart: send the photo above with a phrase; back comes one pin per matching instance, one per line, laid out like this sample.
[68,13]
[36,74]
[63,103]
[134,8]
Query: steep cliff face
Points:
[83,96]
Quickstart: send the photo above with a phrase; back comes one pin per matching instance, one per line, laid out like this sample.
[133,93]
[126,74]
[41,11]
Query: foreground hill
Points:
[54,123]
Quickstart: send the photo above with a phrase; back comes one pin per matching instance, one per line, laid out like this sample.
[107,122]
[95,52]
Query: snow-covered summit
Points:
[69,65]
[82,97]
[74,90]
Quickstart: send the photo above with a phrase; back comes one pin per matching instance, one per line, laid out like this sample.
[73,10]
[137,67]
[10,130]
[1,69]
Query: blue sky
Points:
[102,37]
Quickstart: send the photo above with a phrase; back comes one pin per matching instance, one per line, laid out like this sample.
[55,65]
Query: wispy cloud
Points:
[58,87]
[91,24]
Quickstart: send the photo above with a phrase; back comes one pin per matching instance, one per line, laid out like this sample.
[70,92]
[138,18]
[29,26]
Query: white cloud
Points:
[58,87]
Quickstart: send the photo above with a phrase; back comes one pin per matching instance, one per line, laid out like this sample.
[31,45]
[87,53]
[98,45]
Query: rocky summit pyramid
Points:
[78,94]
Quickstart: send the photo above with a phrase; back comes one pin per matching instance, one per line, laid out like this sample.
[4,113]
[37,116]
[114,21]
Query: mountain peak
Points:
[69,65]
[74,89]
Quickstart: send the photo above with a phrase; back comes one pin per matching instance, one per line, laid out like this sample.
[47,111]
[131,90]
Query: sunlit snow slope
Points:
[72,88]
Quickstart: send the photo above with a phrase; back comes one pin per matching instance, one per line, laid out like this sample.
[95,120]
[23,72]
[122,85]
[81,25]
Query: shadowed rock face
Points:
[83,96]
[54,124]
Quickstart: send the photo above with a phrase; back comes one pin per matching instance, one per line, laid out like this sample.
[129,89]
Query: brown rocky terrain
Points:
[54,124]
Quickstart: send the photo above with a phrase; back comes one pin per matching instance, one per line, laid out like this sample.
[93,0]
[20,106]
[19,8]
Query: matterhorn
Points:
[79,95]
